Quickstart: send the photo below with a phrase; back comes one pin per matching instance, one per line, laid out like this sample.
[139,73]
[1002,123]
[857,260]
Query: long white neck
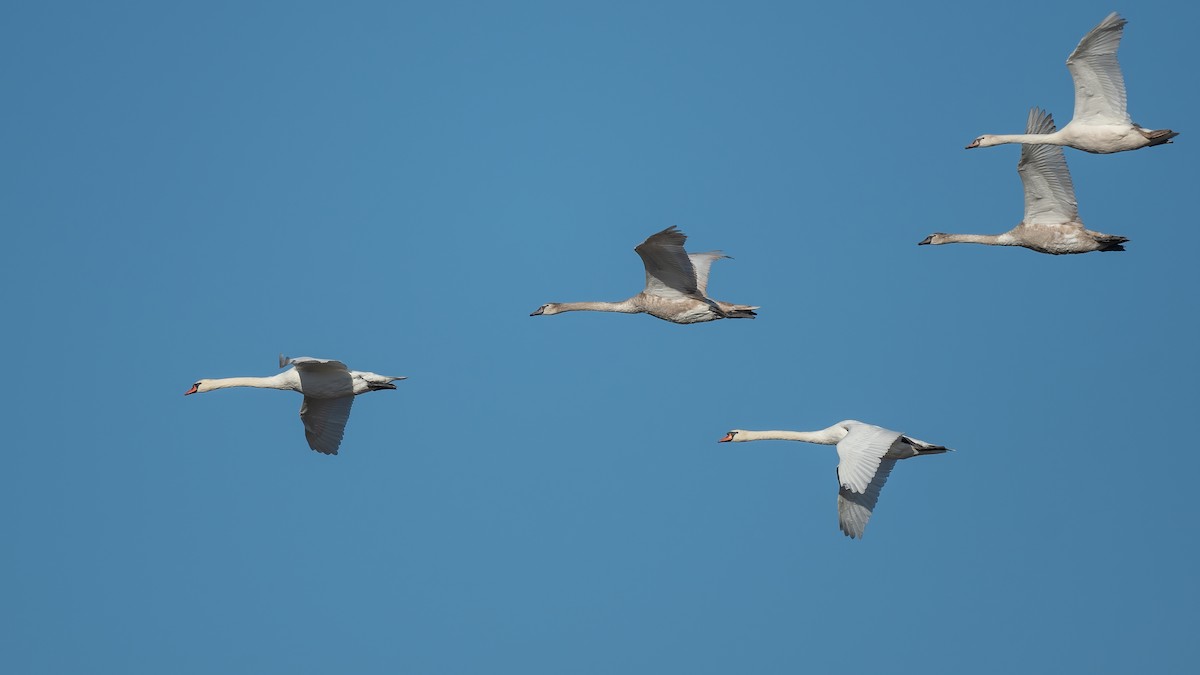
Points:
[1005,239]
[279,381]
[829,436]
[1044,139]
[624,307]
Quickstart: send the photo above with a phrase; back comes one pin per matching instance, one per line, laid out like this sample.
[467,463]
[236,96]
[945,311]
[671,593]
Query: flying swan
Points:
[1051,223]
[329,389]
[866,455]
[676,286]
[1101,124]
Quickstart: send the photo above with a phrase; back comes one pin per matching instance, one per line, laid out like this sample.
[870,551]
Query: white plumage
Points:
[866,455]
[329,388]
[1101,123]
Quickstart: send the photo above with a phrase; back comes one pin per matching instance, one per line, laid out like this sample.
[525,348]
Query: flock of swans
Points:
[676,287]
[1101,125]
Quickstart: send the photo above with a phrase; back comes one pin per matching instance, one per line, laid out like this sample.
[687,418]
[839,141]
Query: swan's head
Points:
[984,141]
[935,238]
[732,436]
[547,309]
[199,387]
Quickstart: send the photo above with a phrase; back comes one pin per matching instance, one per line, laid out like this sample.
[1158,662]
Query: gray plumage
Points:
[1051,223]
[676,286]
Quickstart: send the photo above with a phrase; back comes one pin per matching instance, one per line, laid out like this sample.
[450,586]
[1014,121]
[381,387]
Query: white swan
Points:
[1051,223]
[866,455]
[329,389]
[676,286]
[1101,124]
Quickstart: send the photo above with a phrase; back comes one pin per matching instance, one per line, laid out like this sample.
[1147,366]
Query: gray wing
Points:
[309,363]
[701,262]
[325,421]
[1049,193]
[1099,86]
[669,270]
[860,453]
[854,509]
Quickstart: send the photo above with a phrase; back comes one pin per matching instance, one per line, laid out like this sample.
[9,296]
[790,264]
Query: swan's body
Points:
[1101,123]
[866,455]
[329,389]
[1051,223]
[676,286]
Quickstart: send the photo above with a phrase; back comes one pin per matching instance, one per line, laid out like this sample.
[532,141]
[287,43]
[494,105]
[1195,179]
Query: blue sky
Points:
[193,188]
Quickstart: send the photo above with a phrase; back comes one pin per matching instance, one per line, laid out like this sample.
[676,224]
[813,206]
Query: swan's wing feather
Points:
[669,270]
[1049,193]
[701,262]
[325,422]
[860,453]
[309,363]
[854,509]
[1099,86]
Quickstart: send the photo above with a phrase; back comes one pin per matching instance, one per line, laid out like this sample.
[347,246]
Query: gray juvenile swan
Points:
[676,286]
[866,455]
[329,389]
[1051,223]
[1101,123]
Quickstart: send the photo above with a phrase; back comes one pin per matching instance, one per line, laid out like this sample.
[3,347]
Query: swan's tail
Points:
[375,381]
[1158,136]
[923,448]
[1111,242]
[738,311]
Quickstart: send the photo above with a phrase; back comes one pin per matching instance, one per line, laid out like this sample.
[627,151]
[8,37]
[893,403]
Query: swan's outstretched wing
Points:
[860,453]
[1049,194]
[325,421]
[311,364]
[1099,86]
[701,262]
[854,509]
[669,270]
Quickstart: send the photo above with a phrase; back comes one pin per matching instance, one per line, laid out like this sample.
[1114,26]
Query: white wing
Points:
[1049,194]
[701,262]
[669,270]
[309,363]
[860,453]
[854,509]
[1099,87]
[325,421]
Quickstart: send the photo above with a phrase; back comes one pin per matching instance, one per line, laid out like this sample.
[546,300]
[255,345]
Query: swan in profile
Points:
[676,286]
[1101,123]
[1051,223]
[329,389]
[866,455]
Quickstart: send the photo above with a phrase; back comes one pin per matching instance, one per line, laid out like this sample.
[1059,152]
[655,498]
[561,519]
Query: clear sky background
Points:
[192,188]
